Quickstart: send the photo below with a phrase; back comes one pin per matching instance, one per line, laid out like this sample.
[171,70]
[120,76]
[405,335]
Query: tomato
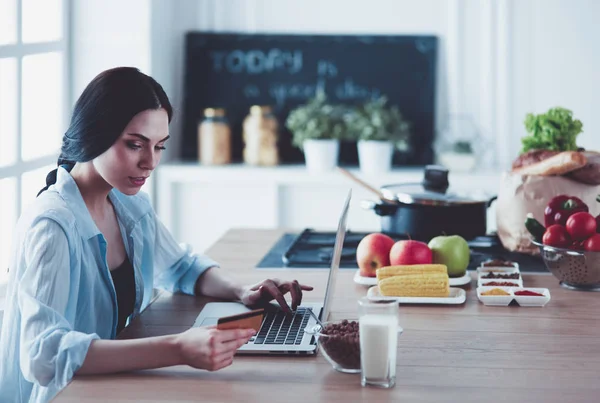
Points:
[556,235]
[593,243]
[581,225]
[598,223]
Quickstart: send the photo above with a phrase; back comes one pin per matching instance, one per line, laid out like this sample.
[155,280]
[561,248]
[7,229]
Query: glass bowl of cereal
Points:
[339,343]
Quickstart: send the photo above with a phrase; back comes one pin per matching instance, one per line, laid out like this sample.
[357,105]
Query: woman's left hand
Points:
[275,289]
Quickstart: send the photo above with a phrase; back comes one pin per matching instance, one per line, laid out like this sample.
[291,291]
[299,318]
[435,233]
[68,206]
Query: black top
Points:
[124,281]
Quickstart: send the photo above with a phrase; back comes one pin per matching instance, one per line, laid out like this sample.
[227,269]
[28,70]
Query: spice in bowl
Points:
[527,293]
[495,291]
[501,284]
[508,276]
[498,263]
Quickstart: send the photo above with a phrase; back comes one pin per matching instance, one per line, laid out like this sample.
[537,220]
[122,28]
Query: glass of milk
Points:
[378,333]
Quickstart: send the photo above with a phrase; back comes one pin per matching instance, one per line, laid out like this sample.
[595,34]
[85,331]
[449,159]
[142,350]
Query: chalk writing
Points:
[346,91]
[284,91]
[256,61]
[326,68]
[350,90]
[251,91]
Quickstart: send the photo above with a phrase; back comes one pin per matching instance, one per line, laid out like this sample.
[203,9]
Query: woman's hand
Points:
[270,289]
[209,348]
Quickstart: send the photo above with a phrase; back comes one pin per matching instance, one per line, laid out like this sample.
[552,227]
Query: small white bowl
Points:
[513,271]
[528,300]
[510,269]
[482,282]
[495,300]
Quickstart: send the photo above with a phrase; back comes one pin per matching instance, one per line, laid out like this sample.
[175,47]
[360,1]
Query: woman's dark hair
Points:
[102,112]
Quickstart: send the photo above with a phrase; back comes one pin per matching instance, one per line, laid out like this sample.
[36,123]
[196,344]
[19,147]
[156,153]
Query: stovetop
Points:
[313,249]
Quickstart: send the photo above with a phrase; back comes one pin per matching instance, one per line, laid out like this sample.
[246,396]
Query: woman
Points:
[90,249]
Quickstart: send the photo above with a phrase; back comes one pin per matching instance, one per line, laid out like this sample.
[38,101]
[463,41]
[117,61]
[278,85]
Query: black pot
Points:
[425,210]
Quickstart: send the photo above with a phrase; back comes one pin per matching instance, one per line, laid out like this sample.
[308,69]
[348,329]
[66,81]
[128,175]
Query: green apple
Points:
[453,251]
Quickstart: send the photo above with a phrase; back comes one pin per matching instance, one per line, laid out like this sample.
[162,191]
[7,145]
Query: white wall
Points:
[499,59]
[108,33]
[556,61]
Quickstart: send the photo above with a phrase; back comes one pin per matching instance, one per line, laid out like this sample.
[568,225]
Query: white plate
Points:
[482,282]
[358,279]
[525,300]
[466,279]
[457,296]
[495,300]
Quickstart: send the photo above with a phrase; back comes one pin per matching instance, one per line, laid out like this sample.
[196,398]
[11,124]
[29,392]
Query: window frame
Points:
[18,50]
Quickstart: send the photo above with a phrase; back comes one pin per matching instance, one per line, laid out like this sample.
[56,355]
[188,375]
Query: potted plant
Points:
[317,128]
[460,157]
[458,145]
[379,129]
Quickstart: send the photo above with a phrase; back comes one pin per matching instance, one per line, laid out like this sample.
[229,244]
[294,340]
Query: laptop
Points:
[282,333]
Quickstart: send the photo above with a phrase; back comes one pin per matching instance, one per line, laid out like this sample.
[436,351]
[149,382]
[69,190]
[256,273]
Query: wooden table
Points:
[464,353]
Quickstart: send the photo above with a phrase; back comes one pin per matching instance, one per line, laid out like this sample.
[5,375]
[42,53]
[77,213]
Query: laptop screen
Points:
[336,257]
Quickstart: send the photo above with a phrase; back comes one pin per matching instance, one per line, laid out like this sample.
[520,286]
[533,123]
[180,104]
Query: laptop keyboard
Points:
[282,328]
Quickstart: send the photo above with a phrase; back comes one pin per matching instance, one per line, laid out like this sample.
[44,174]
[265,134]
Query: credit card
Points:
[246,320]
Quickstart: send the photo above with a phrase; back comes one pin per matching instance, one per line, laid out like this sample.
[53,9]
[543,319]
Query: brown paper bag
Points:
[519,195]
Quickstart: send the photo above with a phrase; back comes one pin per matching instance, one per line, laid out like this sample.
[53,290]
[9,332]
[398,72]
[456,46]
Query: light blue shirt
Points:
[60,293]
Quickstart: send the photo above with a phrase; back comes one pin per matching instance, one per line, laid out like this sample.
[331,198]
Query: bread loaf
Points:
[559,164]
[590,173]
[531,157]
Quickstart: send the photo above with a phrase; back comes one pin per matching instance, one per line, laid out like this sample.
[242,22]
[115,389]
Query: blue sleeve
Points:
[177,268]
[51,351]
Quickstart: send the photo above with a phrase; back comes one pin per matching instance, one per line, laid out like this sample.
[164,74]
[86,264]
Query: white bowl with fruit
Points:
[569,242]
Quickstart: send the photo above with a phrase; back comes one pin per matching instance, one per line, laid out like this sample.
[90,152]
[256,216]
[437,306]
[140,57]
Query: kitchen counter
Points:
[462,353]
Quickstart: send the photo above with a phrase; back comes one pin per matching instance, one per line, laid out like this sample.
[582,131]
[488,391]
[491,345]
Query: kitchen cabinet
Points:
[200,203]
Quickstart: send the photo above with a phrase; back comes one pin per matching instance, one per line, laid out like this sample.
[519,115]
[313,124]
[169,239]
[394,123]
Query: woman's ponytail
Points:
[51,177]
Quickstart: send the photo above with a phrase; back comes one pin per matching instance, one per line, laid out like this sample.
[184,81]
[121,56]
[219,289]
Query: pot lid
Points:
[432,191]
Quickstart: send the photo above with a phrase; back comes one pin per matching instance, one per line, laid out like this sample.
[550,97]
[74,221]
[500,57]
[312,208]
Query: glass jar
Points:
[260,137]
[214,138]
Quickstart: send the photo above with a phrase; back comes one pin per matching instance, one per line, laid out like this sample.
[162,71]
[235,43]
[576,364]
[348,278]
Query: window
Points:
[33,104]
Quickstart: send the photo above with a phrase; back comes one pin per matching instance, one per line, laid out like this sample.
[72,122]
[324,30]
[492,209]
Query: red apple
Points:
[410,252]
[373,252]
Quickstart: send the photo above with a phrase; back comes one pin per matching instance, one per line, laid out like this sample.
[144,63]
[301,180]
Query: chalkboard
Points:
[236,71]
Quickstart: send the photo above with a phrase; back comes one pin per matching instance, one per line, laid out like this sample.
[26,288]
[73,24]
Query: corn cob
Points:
[403,270]
[415,285]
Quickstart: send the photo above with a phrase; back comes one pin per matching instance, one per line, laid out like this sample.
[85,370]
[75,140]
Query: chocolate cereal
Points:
[341,343]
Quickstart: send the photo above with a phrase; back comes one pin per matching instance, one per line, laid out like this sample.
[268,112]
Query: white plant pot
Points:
[458,162]
[375,156]
[321,155]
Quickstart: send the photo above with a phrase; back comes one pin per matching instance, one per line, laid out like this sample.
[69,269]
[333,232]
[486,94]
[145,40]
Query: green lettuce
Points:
[554,130]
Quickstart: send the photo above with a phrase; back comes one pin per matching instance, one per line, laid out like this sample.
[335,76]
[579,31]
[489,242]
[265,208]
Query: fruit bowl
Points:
[339,343]
[579,270]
